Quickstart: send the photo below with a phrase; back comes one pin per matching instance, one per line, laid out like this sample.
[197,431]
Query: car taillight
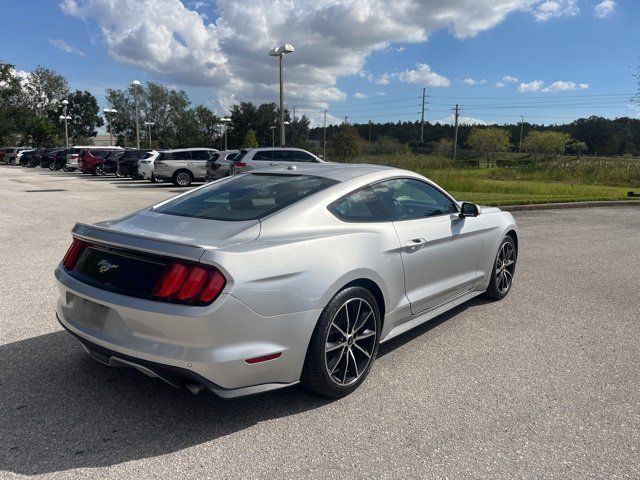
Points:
[239,164]
[73,254]
[184,283]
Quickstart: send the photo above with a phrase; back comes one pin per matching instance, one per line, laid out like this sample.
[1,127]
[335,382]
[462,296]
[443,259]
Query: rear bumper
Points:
[184,345]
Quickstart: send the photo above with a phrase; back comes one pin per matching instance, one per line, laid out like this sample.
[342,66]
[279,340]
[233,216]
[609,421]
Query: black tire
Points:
[153,178]
[503,271]
[100,171]
[316,374]
[182,178]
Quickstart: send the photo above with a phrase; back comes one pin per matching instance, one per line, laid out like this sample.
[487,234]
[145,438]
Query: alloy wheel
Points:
[505,266]
[351,341]
[183,179]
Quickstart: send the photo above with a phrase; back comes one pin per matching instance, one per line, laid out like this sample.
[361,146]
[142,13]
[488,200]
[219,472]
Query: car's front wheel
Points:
[344,344]
[504,267]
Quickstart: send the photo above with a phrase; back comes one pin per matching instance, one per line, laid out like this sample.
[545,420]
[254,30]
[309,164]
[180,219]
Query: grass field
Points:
[564,179]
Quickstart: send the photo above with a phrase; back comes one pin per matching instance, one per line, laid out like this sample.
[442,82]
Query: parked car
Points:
[128,163]
[11,154]
[264,280]
[20,154]
[90,158]
[34,160]
[109,163]
[219,165]
[74,153]
[26,157]
[183,166]
[59,160]
[2,153]
[48,157]
[256,158]
[146,166]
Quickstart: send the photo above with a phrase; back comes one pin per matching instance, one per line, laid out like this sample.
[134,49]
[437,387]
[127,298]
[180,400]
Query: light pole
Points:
[273,135]
[65,117]
[225,121]
[280,52]
[324,137]
[149,124]
[136,84]
[107,112]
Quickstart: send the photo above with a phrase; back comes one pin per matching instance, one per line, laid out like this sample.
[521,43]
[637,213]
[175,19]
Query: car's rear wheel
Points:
[100,170]
[153,178]
[182,178]
[344,344]
[504,267]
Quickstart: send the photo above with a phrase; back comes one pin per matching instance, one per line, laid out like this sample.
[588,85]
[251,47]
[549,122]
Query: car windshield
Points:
[246,197]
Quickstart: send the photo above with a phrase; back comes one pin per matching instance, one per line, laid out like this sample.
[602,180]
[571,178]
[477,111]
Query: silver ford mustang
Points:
[292,274]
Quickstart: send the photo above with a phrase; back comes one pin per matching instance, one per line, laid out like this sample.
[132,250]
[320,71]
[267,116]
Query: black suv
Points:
[128,163]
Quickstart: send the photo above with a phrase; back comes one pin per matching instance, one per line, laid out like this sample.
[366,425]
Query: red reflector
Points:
[264,358]
[193,284]
[73,254]
[171,280]
[214,287]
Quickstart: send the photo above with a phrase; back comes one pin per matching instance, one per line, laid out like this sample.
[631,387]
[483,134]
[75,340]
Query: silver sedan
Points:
[279,276]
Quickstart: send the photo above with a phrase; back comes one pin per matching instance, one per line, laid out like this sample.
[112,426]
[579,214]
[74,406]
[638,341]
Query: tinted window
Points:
[281,155]
[246,197]
[297,156]
[232,156]
[264,155]
[200,154]
[361,206]
[181,155]
[407,199]
[99,153]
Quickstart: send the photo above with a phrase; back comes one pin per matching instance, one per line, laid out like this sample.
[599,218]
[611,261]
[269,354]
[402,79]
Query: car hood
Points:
[208,234]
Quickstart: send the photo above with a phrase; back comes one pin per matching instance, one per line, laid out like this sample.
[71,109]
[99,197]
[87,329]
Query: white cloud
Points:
[462,120]
[604,8]
[171,41]
[473,82]
[423,75]
[380,94]
[534,86]
[65,47]
[562,86]
[509,79]
[500,85]
[555,9]
[360,95]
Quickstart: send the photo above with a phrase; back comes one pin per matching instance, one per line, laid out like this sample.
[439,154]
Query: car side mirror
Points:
[468,210]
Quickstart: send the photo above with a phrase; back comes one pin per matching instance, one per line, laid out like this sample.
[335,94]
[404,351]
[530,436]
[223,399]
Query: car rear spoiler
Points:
[108,236]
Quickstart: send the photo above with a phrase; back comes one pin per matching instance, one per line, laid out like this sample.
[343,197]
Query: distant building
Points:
[102,140]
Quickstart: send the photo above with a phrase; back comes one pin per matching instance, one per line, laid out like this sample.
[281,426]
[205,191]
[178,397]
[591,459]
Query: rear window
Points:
[246,197]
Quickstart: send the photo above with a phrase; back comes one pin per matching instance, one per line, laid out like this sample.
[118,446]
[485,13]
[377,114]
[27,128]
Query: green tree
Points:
[577,147]
[443,147]
[346,144]
[489,141]
[11,113]
[83,109]
[44,91]
[545,144]
[250,139]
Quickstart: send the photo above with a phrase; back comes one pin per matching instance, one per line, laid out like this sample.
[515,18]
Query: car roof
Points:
[341,172]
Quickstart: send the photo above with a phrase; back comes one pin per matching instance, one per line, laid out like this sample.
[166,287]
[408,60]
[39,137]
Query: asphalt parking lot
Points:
[542,384]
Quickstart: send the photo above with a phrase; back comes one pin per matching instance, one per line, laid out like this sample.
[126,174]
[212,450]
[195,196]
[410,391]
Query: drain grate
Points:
[46,190]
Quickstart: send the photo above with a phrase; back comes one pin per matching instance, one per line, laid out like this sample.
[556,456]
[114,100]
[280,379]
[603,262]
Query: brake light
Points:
[186,283]
[239,164]
[73,254]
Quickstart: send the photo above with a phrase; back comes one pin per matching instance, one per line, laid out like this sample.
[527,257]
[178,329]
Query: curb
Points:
[557,206]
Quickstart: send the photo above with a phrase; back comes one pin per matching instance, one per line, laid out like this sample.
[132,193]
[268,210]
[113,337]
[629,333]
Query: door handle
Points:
[273,163]
[416,242]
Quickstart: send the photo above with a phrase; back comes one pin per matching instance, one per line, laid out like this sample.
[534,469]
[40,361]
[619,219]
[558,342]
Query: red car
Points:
[90,158]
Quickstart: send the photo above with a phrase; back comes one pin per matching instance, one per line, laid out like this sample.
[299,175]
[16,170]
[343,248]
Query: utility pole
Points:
[455,137]
[324,137]
[346,117]
[135,84]
[370,131]
[521,128]
[294,113]
[424,94]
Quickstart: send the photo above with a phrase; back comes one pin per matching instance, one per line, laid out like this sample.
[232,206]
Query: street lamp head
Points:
[149,123]
[135,83]
[65,102]
[286,123]
[281,50]
[225,119]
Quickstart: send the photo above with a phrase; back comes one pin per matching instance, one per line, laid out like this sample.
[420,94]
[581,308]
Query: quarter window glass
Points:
[407,199]
[361,206]
[200,154]
[232,156]
[298,156]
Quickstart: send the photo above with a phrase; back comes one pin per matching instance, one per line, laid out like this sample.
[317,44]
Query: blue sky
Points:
[562,59]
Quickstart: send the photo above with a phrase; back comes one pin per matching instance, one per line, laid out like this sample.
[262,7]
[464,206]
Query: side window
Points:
[200,154]
[282,155]
[231,156]
[360,206]
[408,199]
[263,155]
[298,156]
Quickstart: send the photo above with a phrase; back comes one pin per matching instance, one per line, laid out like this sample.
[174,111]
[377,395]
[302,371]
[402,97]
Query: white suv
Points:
[257,158]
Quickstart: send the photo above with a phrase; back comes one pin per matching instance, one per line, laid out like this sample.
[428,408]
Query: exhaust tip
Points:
[194,388]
